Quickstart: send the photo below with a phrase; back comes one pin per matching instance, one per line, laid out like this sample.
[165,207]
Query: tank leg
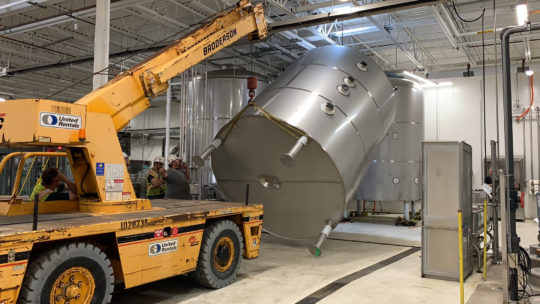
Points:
[199,160]
[406,210]
[288,158]
[315,249]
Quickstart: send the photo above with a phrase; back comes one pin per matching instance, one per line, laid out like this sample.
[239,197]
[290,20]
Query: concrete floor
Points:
[286,273]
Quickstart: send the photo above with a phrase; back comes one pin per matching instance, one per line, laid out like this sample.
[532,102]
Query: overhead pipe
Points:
[351,13]
[510,193]
[398,45]
[447,32]
[457,32]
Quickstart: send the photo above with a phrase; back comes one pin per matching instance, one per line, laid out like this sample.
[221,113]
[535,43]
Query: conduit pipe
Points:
[510,192]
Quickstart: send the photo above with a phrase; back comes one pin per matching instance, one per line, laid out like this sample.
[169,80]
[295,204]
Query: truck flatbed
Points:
[170,208]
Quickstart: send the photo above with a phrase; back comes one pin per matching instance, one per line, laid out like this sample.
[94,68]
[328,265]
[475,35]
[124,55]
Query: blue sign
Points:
[100,169]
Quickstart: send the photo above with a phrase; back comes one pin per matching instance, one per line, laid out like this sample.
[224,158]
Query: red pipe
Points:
[532,100]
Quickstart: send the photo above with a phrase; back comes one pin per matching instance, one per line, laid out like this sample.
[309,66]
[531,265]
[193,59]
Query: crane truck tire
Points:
[69,274]
[220,255]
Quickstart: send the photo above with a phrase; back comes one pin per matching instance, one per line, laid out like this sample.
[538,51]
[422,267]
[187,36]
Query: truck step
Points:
[535,261]
[534,278]
[533,248]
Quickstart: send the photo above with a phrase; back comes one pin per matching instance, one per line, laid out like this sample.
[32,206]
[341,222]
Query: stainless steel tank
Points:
[219,97]
[395,175]
[341,102]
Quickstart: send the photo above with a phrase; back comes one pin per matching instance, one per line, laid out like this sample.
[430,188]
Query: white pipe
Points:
[168,123]
[444,27]
[199,160]
[288,158]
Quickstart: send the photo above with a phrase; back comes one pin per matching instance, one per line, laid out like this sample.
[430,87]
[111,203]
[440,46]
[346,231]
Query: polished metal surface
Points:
[341,101]
[394,175]
[447,175]
[223,94]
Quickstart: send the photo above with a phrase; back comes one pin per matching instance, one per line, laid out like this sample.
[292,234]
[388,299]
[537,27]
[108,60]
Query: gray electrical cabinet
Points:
[447,174]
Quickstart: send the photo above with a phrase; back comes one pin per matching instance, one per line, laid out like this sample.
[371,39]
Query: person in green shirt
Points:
[155,183]
[46,188]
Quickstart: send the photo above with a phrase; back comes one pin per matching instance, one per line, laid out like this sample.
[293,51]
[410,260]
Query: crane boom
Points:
[87,129]
[127,95]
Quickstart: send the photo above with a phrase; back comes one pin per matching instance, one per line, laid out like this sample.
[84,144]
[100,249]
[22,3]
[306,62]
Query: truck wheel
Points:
[74,273]
[220,255]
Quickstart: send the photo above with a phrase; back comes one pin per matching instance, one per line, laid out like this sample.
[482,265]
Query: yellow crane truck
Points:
[76,251]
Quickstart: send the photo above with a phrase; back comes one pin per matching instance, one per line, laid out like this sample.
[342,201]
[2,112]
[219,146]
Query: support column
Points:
[101,42]
[168,124]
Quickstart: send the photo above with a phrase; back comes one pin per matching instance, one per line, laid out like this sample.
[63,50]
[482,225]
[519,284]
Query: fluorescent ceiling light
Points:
[422,79]
[445,83]
[522,14]
[529,72]
[356,30]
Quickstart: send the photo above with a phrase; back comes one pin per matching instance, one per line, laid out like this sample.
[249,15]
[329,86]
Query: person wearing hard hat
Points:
[155,183]
[177,177]
[126,160]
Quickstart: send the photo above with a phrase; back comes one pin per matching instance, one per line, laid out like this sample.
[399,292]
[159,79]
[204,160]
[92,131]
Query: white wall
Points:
[454,113]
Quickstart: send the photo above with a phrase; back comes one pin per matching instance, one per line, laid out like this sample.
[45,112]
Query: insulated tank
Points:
[219,97]
[395,175]
[341,102]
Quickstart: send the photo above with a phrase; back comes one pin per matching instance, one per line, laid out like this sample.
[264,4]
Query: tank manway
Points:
[305,143]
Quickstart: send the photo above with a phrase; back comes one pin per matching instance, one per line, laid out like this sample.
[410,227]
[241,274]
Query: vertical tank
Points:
[219,97]
[305,145]
[395,175]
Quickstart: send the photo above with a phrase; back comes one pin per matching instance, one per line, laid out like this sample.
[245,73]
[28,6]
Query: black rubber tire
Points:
[206,273]
[43,271]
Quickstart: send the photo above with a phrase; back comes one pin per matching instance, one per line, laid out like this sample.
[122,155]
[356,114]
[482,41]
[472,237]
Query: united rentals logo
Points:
[55,120]
[219,41]
[162,247]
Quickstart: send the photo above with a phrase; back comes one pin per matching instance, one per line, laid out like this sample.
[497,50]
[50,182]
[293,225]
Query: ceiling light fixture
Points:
[522,14]
[356,30]
[529,72]
[446,83]
[422,79]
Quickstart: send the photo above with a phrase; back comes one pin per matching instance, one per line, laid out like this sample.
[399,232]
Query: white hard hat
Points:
[171,158]
[125,155]
[159,159]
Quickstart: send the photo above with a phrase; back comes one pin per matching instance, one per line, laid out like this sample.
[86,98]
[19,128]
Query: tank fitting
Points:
[315,249]
[199,160]
[288,158]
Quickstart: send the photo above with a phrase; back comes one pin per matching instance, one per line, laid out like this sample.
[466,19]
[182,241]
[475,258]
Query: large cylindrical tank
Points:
[219,97]
[341,101]
[395,175]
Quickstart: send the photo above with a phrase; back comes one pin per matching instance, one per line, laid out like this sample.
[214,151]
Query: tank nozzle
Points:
[199,160]
[315,249]
[288,158]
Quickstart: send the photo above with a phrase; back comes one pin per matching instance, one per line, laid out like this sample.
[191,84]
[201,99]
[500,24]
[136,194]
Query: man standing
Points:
[489,178]
[126,160]
[46,189]
[155,183]
[177,177]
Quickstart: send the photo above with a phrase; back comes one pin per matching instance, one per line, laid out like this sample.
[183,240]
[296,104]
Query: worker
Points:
[488,180]
[155,183]
[46,189]
[177,177]
[126,160]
